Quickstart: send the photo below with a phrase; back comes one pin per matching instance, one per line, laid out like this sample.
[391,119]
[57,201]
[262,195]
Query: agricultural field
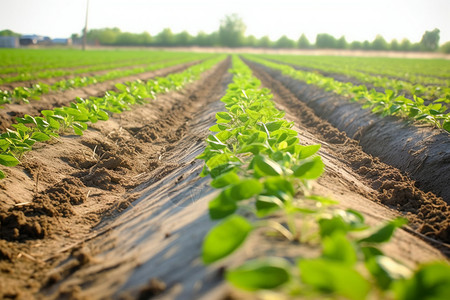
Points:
[138,174]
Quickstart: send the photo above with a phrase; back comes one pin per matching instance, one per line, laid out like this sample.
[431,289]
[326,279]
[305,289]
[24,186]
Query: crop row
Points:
[34,60]
[263,174]
[25,94]
[64,71]
[424,71]
[386,103]
[427,88]
[77,116]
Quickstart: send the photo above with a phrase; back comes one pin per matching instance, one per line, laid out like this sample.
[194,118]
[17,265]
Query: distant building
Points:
[9,42]
[33,39]
[26,40]
[60,41]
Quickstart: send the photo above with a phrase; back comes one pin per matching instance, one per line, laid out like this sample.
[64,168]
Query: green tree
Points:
[104,36]
[231,31]
[213,39]
[8,32]
[395,46]
[165,38]
[341,43]
[366,45]
[445,48]
[325,41]
[405,45]
[144,38]
[356,45]
[183,39]
[303,42]
[284,43]
[251,41]
[379,43]
[264,42]
[201,39]
[430,40]
[126,39]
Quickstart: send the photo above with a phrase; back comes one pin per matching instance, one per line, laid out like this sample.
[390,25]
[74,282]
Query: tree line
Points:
[231,33]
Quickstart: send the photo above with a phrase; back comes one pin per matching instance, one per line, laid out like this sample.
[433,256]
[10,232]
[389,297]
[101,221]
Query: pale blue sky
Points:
[356,19]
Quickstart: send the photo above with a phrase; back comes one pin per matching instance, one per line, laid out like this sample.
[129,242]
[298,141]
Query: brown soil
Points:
[121,211]
[57,99]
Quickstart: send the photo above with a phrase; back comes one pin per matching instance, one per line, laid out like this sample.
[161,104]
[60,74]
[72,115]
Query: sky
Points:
[355,19]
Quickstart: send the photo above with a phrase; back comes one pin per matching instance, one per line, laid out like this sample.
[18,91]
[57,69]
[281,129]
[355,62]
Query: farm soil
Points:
[121,211]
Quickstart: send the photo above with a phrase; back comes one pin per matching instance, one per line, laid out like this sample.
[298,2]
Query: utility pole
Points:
[85,27]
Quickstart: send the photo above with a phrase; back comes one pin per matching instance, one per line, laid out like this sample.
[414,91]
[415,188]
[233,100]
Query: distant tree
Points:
[183,39]
[231,31]
[213,39]
[8,32]
[264,42]
[430,40]
[394,46]
[356,45]
[445,48]
[284,43]
[325,41]
[366,45]
[165,38]
[201,39]
[127,39]
[416,47]
[405,45]
[379,43]
[341,43]
[104,36]
[251,41]
[303,42]
[144,38]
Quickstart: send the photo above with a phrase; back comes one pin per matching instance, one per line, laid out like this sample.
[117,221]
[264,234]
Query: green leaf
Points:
[385,270]
[40,137]
[217,128]
[384,233]
[338,247]
[311,169]
[225,179]
[2,175]
[322,200]
[273,185]
[266,166]
[329,226]
[218,160]
[8,160]
[225,238]
[333,277]
[272,126]
[266,205]
[102,115]
[430,282]
[254,148]
[263,274]
[221,207]
[245,189]
[306,151]
[223,117]
[121,87]
[446,125]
